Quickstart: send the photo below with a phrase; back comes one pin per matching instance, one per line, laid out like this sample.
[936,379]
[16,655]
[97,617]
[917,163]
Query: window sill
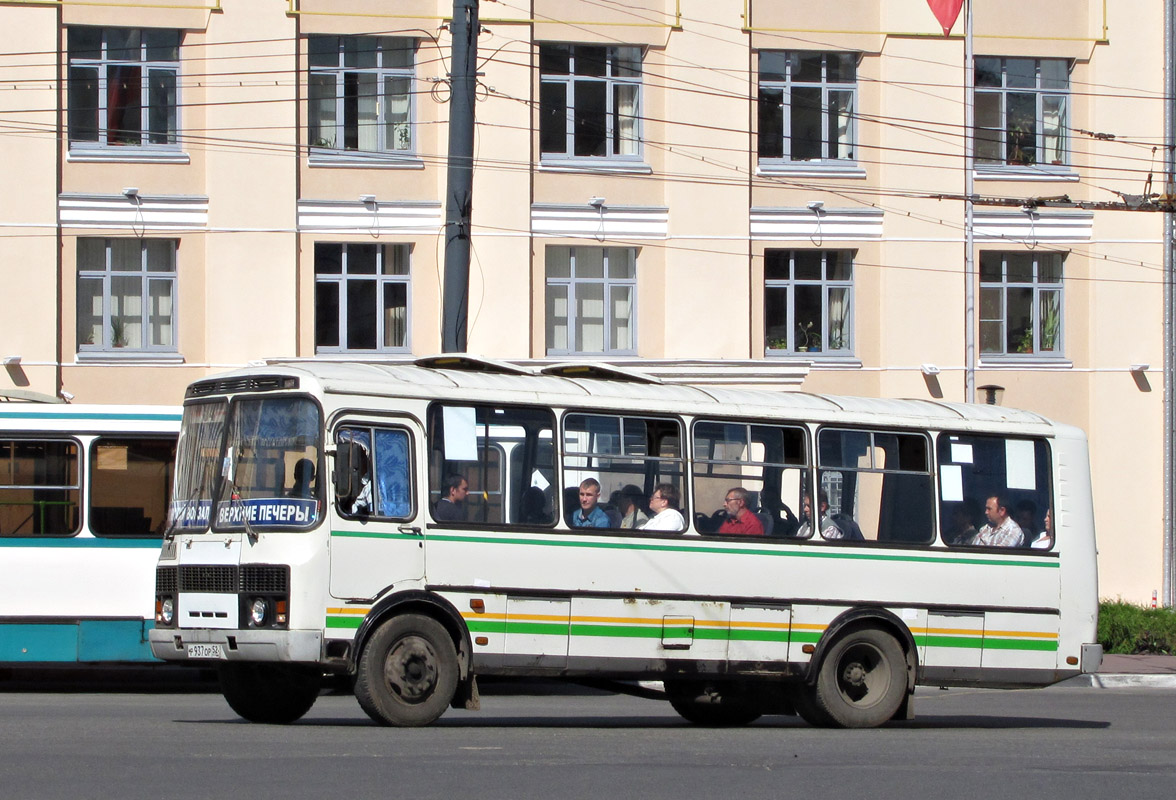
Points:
[132,357]
[365,355]
[126,155]
[810,169]
[995,361]
[597,165]
[817,360]
[352,160]
[997,172]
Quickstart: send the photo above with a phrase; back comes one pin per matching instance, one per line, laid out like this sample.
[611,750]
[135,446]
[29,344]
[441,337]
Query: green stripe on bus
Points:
[987,643]
[78,541]
[92,416]
[830,553]
[344,622]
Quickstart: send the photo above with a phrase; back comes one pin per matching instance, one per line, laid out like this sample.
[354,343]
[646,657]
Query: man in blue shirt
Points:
[590,514]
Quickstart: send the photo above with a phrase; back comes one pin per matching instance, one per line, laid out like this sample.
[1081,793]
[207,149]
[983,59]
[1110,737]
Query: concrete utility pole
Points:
[1169,577]
[459,188]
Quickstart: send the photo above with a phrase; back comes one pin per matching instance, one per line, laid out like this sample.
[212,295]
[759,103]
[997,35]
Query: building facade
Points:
[719,191]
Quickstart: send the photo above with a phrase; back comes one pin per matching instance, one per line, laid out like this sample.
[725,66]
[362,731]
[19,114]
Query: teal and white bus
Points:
[304,540]
[84,497]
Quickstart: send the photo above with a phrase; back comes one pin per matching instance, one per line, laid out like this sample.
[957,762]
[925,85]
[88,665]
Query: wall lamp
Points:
[367,199]
[993,394]
[596,202]
[929,369]
[12,361]
[130,191]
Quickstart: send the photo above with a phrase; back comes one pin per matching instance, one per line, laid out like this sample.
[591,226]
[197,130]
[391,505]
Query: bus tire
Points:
[726,704]
[275,694]
[862,681]
[407,674]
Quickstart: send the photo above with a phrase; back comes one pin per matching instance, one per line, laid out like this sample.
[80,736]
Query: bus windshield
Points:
[197,460]
[259,458]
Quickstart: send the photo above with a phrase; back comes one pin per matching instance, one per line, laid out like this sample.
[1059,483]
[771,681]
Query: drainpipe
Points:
[1169,305]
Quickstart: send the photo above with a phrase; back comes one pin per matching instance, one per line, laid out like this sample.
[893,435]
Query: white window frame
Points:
[795,333]
[607,283]
[146,276]
[102,66]
[1038,324]
[614,56]
[1041,94]
[341,280]
[406,133]
[826,87]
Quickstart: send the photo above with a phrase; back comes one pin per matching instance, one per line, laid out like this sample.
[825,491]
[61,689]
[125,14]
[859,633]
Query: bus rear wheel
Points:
[277,694]
[721,704]
[407,674]
[862,681]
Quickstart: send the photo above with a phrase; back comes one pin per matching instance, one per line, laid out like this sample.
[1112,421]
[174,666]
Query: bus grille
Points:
[264,578]
[208,578]
[224,579]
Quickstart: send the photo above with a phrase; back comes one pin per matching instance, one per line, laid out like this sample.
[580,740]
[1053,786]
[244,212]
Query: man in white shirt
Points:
[1001,530]
[664,504]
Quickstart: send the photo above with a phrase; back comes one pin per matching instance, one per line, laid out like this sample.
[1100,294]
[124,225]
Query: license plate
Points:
[205,651]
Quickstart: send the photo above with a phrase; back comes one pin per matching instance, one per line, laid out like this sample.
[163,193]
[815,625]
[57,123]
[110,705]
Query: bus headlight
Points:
[259,611]
[165,612]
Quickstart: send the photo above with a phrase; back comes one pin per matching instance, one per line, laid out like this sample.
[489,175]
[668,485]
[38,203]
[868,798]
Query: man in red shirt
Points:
[740,518]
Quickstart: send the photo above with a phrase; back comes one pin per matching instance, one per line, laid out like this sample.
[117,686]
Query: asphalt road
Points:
[1059,742]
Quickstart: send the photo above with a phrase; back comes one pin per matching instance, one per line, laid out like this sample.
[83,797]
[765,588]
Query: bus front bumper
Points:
[206,645]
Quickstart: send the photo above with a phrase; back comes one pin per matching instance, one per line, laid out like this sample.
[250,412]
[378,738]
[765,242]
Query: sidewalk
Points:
[1157,672]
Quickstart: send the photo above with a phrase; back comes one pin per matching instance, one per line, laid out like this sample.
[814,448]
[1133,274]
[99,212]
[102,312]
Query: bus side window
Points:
[502,453]
[130,479]
[628,456]
[878,486]
[769,462]
[385,481]
[1014,472]
[39,487]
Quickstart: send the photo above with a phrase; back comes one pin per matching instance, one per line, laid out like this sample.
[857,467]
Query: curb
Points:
[1121,681]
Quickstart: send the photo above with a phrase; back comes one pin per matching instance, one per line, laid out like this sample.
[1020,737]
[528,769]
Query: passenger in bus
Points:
[741,520]
[1044,540]
[828,529]
[451,506]
[1026,518]
[590,515]
[628,502]
[664,504]
[303,478]
[1002,530]
[533,507]
[961,528]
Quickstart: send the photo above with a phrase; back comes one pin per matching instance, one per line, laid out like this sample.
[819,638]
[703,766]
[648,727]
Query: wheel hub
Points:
[411,669]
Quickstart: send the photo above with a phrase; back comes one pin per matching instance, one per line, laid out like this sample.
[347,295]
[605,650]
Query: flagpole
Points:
[969,206]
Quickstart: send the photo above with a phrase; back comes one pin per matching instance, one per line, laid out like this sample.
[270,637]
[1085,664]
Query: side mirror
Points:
[350,467]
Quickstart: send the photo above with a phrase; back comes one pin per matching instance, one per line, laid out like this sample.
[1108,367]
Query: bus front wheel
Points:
[408,672]
[861,683]
[277,694]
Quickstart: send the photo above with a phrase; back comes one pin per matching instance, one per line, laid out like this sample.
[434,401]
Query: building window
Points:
[122,87]
[808,301]
[126,294]
[1021,111]
[361,93]
[591,297]
[1021,303]
[589,101]
[361,297]
[806,105]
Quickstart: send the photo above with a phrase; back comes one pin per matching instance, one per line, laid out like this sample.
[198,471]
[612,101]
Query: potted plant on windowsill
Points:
[777,343]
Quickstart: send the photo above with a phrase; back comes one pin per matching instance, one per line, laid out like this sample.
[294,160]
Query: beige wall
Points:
[246,273]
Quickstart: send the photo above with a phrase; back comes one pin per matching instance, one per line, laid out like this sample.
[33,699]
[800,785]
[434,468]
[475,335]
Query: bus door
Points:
[377,527]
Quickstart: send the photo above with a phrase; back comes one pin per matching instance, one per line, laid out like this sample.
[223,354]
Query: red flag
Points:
[947,12]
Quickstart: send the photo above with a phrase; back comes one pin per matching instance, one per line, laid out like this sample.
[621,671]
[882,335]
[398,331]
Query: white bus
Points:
[84,496]
[349,571]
